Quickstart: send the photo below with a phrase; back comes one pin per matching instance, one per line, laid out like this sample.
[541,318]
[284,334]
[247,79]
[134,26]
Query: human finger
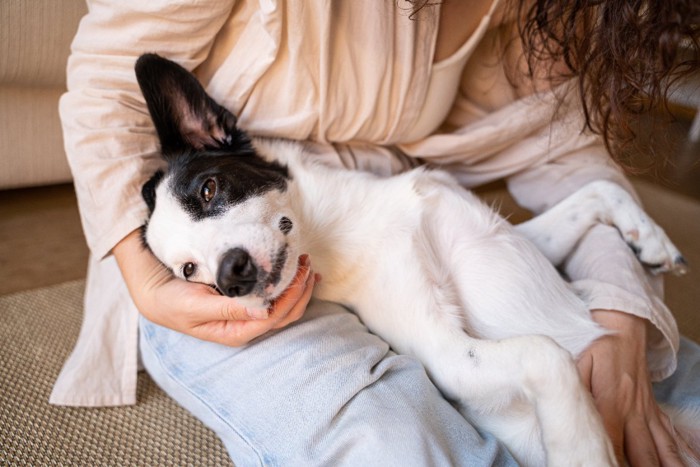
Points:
[614,424]
[639,443]
[666,443]
[687,452]
[284,304]
[204,304]
[585,370]
[236,333]
[232,333]
[299,307]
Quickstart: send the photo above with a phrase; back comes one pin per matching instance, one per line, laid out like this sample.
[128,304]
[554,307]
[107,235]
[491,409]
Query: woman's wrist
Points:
[128,245]
[141,270]
[625,324]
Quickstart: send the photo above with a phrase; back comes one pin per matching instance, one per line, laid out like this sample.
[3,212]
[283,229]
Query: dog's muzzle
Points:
[237,273]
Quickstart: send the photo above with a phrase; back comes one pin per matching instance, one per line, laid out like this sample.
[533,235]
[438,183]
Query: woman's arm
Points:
[614,369]
[623,297]
[112,149]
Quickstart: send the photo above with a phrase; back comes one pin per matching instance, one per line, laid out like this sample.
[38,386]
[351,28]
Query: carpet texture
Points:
[37,332]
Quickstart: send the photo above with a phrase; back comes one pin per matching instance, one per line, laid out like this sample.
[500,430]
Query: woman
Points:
[374,86]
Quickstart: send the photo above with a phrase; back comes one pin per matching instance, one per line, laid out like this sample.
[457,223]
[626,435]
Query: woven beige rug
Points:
[37,332]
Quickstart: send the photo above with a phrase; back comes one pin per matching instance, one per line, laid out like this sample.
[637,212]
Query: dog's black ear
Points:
[183,113]
[148,191]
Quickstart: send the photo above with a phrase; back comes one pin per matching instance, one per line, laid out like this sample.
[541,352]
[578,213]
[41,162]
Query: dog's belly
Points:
[440,277]
[447,256]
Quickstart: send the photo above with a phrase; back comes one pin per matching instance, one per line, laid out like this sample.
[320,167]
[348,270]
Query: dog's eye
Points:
[188,269]
[209,190]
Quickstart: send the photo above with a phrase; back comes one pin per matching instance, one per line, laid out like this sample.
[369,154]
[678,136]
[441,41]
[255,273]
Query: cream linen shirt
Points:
[352,78]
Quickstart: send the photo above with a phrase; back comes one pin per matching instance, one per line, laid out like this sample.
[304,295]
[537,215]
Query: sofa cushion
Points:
[35,39]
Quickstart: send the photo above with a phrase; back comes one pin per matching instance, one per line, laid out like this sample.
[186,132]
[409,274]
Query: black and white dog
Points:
[423,263]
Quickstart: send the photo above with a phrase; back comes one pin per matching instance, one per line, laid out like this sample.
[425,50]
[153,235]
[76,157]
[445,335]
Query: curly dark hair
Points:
[626,54]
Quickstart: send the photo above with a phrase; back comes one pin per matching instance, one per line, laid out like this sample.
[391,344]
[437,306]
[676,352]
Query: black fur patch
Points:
[237,178]
[280,261]
[285,225]
[148,191]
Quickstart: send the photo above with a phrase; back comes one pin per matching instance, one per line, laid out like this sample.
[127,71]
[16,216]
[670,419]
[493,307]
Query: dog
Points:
[423,262]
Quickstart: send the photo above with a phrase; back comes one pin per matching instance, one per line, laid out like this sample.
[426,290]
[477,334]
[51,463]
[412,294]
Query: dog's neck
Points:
[332,207]
[330,213]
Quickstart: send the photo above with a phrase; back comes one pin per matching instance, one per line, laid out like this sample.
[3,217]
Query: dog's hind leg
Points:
[524,390]
[556,231]
[489,378]
[502,288]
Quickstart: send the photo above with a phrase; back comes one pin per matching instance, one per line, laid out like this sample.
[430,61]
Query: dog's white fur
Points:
[438,275]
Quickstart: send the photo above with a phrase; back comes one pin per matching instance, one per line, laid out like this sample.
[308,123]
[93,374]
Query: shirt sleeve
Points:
[108,135]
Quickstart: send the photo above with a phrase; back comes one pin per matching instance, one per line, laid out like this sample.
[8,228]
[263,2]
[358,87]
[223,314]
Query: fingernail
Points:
[304,260]
[318,277]
[257,313]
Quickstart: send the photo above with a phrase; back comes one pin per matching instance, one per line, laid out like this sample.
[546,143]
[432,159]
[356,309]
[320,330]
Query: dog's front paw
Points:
[652,246]
[648,241]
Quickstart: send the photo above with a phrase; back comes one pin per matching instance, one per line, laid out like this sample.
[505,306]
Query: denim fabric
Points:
[682,388]
[323,391]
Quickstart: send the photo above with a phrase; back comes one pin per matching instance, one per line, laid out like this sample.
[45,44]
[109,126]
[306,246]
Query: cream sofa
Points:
[35,37]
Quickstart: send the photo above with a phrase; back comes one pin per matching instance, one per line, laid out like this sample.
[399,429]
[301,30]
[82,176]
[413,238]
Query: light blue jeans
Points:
[325,391]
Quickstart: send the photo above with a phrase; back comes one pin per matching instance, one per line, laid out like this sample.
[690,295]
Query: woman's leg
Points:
[322,391]
[682,388]
[681,392]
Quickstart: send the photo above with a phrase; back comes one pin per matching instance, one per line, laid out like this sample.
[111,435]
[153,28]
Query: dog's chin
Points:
[262,302]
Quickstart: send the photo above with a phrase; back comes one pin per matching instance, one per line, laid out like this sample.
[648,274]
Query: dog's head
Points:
[220,213]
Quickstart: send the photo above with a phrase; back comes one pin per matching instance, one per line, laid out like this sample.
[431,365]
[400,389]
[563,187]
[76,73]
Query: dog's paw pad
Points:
[632,236]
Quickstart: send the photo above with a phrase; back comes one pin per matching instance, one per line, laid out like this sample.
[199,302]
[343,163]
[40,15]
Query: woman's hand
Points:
[614,368]
[197,309]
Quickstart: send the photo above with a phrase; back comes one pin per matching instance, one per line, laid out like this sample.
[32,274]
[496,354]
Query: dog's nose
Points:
[237,273]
